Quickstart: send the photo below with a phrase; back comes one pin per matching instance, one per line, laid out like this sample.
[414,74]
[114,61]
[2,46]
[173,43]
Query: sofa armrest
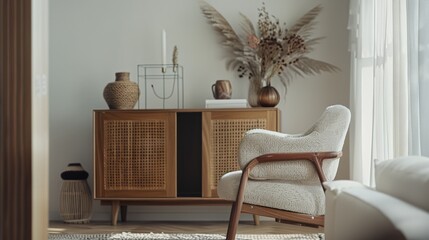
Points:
[336,186]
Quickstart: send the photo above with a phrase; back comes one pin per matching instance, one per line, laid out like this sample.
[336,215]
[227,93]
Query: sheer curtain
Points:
[389,45]
[418,48]
[379,84]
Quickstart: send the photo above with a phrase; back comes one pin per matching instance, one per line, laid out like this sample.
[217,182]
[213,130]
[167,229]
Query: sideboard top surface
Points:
[188,110]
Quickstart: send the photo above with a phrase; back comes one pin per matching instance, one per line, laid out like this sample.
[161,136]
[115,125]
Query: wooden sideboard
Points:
[168,157]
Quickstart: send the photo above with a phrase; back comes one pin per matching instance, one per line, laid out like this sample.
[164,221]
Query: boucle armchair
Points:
[282,174]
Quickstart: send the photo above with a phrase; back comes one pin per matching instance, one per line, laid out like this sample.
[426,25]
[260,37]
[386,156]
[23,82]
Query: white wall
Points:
[91,40]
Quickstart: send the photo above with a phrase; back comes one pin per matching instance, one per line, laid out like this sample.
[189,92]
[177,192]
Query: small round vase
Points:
[122,93]
[268,96]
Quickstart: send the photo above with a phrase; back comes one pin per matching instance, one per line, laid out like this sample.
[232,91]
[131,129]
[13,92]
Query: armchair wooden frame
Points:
[316,158]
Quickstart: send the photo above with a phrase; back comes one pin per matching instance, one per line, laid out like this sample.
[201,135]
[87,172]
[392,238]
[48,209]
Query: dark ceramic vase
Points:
[268,96]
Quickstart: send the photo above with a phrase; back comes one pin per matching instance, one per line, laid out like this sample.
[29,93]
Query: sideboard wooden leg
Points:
[115,212]
[124,213]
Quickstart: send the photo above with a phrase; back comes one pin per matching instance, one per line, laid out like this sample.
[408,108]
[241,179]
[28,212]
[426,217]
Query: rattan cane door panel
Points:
[222,133]
[135,155]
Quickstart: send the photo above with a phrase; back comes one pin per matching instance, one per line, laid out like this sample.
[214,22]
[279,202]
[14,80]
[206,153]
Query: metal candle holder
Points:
[162,81]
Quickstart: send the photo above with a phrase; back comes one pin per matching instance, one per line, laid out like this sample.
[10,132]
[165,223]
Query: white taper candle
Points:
[164,47]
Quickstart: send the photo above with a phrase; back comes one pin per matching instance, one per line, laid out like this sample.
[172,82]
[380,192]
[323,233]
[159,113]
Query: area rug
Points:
[163,236]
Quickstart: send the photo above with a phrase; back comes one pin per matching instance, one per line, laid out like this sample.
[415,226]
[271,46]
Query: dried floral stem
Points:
[174,59]
[175,54]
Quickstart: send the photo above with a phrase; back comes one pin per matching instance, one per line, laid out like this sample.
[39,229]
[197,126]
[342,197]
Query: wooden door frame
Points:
[15,119]
[18,150]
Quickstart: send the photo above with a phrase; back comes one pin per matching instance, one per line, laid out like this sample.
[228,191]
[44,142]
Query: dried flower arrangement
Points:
[273,50]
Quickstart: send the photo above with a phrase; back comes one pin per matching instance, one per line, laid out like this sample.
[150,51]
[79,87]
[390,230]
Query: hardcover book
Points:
[226,103]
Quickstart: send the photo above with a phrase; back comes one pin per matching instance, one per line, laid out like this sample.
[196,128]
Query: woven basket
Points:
[75,196]
[122,93]
[75,201]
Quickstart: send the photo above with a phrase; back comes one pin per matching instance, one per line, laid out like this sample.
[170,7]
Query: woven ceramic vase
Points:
[122,93]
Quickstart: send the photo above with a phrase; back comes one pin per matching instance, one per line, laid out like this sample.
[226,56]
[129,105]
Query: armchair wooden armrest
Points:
[316,158]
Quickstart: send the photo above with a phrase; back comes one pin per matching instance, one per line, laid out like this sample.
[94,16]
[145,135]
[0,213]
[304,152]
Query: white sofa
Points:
[397,208]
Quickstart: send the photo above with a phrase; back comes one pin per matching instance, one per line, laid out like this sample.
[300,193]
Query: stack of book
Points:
[226,103]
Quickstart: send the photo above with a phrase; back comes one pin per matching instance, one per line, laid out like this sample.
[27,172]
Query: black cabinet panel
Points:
[189,152]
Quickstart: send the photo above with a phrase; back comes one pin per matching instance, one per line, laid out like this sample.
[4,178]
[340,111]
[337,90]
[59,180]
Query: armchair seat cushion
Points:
[295,196]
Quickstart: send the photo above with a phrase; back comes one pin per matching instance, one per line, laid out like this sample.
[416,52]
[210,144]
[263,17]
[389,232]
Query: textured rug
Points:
[162,236]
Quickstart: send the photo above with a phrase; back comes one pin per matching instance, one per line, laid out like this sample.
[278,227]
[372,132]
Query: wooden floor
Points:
[265,227]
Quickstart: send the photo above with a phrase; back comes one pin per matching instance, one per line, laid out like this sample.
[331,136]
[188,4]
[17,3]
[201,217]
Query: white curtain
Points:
[418,48]
[379,84]
[413,60]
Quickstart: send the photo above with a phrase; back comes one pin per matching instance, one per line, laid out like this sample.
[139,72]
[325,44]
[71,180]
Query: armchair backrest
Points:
[327,134]
[332,128]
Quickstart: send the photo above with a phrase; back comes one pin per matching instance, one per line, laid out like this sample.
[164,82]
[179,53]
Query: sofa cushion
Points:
[406,178]
[359,212]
